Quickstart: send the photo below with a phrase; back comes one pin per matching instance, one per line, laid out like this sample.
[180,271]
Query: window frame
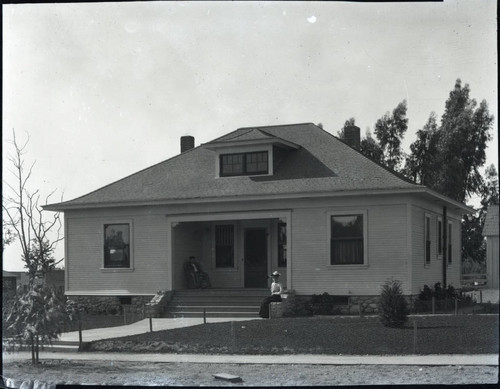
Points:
[217,268]
[353,212]
[427,240]
[281,241]
[449,254]
[439,235]
[130,244]
[245,163]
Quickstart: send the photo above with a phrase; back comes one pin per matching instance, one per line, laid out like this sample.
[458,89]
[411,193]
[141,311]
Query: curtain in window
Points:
[347,241]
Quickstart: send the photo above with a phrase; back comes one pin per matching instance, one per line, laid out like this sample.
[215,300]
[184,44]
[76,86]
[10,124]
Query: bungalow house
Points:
[291,198]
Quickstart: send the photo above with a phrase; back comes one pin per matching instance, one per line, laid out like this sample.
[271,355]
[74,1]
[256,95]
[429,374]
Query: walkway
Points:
[309,359]
[141,327]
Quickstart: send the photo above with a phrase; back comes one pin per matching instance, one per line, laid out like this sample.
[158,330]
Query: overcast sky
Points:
[107,89]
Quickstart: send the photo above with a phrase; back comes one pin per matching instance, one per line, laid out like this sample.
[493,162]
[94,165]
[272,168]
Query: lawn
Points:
[464,334]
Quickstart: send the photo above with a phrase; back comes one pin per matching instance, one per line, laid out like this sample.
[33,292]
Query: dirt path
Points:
[197,374]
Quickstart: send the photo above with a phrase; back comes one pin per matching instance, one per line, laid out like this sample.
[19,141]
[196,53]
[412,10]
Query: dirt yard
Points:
[196,374]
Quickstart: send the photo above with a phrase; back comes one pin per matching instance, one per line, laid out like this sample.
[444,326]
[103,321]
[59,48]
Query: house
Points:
[11,280]
[490,231]
[292,198]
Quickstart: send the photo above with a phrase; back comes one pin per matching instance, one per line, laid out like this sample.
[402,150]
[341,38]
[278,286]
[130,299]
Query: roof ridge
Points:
[274,126]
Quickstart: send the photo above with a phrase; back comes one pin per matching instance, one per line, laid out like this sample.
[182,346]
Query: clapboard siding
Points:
[492,261]
[432,273]
[84,260]
[387,252]
[395,245]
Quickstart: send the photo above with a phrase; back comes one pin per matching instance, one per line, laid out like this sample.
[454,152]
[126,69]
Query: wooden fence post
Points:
[204,315]
[80,337]
[150,323]
[414,337]
[233,336]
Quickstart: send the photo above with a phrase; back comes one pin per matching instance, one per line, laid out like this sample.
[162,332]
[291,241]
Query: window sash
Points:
[347,239]
[244,164]
[449,244]
[427,240]
[224,246]
[117,245]
[440,237]
[282,252]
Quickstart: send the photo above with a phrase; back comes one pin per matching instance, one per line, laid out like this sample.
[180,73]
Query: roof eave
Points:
[455,204]
[222,145]
[61,207]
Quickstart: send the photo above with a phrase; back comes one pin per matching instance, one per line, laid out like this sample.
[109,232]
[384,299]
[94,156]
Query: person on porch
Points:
[276,290]
[199,277]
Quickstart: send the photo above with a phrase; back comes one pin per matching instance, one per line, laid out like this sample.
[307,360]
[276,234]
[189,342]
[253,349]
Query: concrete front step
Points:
[222,292]
[215,302]
[212,314]
[225,301]
[208,309]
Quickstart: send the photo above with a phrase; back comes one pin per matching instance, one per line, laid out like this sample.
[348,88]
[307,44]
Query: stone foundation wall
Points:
[368,304]
[110,305]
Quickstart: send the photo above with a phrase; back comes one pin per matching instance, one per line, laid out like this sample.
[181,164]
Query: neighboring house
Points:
[490,231]
[12,279]
[291,198]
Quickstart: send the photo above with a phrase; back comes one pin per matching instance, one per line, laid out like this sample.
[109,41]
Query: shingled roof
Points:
[322,164]
[491,222]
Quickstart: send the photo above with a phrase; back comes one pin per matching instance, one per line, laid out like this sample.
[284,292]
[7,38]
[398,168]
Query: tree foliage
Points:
[37,312]
[370,148]
[421,164]
[25,219]
[461,145]
[390,130]
[36,317]
[473,242]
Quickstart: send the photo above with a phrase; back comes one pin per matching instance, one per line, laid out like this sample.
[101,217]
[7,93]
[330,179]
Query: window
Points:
[347,239]
[224,246]
[449,243]
[427,240]
[244,164]
[117,245]
[440,237]
[281,244]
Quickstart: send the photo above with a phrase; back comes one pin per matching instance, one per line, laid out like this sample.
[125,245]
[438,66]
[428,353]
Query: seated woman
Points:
[276,290]
[197,278]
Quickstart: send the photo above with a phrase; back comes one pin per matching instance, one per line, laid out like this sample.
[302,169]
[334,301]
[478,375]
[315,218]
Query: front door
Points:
[255,258]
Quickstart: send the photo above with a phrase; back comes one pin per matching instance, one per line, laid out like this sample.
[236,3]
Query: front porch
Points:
[236,250]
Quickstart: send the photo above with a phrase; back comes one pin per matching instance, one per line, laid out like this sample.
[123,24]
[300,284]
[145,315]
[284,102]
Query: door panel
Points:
[255,258]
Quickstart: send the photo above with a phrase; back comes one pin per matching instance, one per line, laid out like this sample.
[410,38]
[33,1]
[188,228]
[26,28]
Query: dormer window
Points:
[244,164]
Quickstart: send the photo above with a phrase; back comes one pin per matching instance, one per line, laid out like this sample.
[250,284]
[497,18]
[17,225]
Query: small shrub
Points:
[438,292]
[488,308]
[393,307]
[296,306]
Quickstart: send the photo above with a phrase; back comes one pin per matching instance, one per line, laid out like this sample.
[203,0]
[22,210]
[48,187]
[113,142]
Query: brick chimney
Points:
[352,136]
[187,143]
